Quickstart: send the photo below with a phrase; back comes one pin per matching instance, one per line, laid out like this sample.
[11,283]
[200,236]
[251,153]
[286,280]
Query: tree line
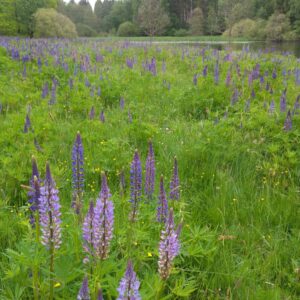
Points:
[260,19]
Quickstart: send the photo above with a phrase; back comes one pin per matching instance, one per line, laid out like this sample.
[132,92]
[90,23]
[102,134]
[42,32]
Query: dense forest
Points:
[257,19]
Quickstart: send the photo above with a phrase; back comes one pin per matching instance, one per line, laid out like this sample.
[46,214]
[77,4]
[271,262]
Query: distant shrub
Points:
[85,30]
[127,29]
[277,27]
[248,28]
[50,23]
[181,32]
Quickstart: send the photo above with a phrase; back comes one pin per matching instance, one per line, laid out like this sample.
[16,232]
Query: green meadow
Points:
[238,162]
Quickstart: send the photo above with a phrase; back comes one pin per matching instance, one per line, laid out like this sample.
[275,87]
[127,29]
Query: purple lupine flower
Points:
[204,72]
[129,116]
[297,104]
[71,83]
[53,92]
[78,173]
[84,292]
[122,103]
[92,113]
[228,78]
[102,117]
[267,86]
[253,93]
[162,210]
[288,122]
[89,232]
[283,102]
[24,73]
[129,285]
[235,97]
[195,79]
[247,105]
[37,145]
[174,185]
[99,91]
[164,66]
[34,192]
[150,172]
[216,73]
[272,107]
[27,124]
[169,247]
[274,74]
[45,90]
[49,211]
[135,184]
[103,221]
[100,295]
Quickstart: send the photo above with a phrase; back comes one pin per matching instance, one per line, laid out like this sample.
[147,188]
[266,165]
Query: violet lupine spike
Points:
[49,212]
[78,173]
[84,292]
[150,172]
[122,103]
[169,247]
[272,107]
[102,117]
[288,122]
[135,185]
[89,232]
[283,102]
[100,295]
[27,124]
[162,210]
[92,113]
[174,185]
[129,285]
[103,221]
[34,193]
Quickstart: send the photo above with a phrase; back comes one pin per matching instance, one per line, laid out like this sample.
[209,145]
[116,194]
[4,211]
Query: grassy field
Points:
[238,159]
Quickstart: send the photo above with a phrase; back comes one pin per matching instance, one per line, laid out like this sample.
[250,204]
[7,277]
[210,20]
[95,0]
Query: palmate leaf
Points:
[184,287]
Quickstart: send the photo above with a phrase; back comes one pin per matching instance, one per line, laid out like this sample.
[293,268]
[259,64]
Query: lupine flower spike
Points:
[162,210]
[89,233]
[84,292]
[49,209]
[129,285]
[168,247]
[288,122]
[150,172]
[135,185]
[174,186]
[100,295]
[34,193]
[103,220]
[78,173]
[50,221]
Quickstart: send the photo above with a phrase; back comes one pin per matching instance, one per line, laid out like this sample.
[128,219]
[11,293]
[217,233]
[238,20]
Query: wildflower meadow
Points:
[134,170]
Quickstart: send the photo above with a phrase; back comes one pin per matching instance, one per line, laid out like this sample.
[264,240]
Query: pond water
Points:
[288,47]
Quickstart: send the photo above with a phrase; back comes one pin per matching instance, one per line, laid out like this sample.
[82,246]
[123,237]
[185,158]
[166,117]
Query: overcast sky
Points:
[92,2]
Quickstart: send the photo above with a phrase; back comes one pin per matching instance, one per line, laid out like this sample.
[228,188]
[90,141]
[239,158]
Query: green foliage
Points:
[8,23]
[152,17]
[196,22]
[244,28]
[127,29]
[278,25]
[49,23]
[85,30]
[181,32]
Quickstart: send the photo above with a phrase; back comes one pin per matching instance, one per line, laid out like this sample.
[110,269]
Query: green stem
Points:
[160,290]
[51,271]
[35,270]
